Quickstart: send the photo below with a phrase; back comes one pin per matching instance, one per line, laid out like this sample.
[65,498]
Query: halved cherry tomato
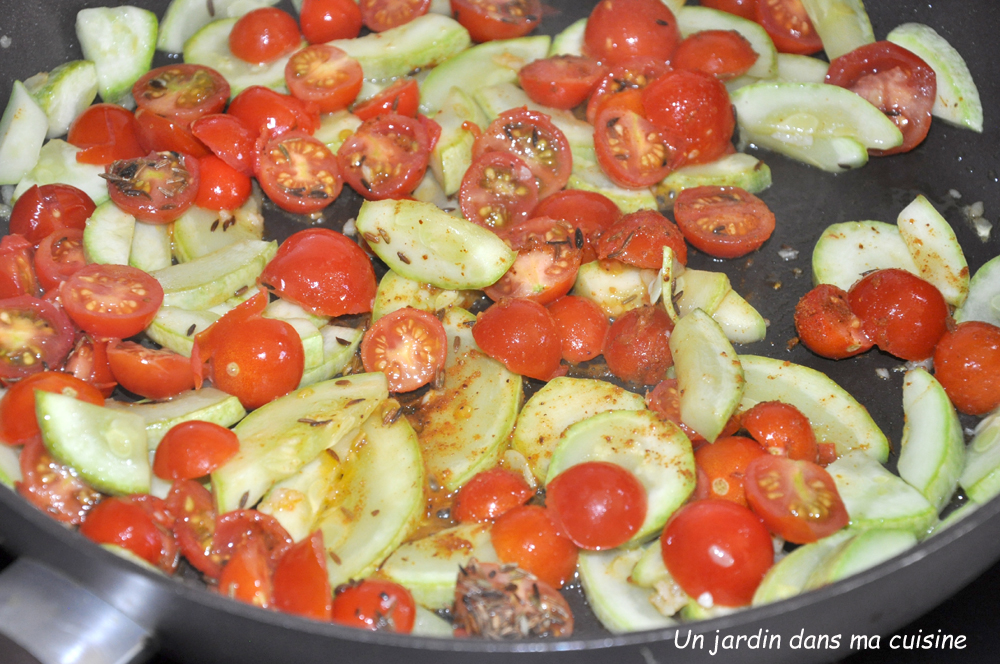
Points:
[548,258]
[220,186]
[17,268]
[532,137]
[717,550]
[17,406]
[589,211]
[724,54]
[386,157]
[498,191]
[637,348]
[105,133]
[598,504]
[181,92]
[487,20]
[408,345]
[157,188]
[827,326]
[326,20]
[381,15]
[521,334]
[246,575]
[140,524]
[665,401]
[621,86]
[967,364]
[325,76]
[264,35]
[621,29]
[489,494]
[694,108]
[194,525]
[631,150]
[253,358]
[788,25]
[900,312]
[301,584]
[159,134]
[782,429]
[238,527]
[723,464]
[402,97]
[897,81]
[323,271]
[261,109]
[375,605]
[42,210]
[59,256]
[89,363]
[725,222]
[111,300]
[52,486]
[797,500]
[228,138]
[528,536]
[638,239]
[34,335]
[582,327]
[560,81]
[299,173]
[194,449]
[743,8]
[153,373]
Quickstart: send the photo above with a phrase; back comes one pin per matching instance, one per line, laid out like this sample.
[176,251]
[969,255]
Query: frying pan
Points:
[191,624]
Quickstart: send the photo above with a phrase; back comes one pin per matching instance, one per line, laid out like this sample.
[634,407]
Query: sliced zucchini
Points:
[298,501]
[213,278]
[420,241]
[184,18]
[739,320]
[207,404]
[789,576]
[836,417]
[696,19]
[428,623]
[709,376]
[734,170]
[150,250]
[666,283]
[22,133]
[570,40]
[452,154]
[801,68]
[107,447]
[198,231]
[842,25]
[656,451]
[588,176]
[700,289]
[339,347]
[57,163]
[957,100]
[495,99]
[981,476]
[560,403]
[335,128]
[107,237]
[210,47]
[620,606]
[64,93]
[121,42]
[285,310]
[175,328]
[614,287]
[10,466]
[397,292]
[983,301]
[863,551]
[848,250]
[650,568]
[935,250]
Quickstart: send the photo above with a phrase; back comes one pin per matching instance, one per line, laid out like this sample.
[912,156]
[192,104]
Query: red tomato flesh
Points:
[408,345]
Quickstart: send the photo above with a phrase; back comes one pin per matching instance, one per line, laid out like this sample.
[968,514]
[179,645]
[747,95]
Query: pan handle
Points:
[56,621]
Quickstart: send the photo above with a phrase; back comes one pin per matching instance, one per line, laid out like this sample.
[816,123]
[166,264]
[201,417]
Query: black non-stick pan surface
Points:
[193,625]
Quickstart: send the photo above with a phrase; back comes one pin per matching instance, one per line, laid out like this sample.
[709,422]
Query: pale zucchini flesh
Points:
[23,127]
[57,164]
[981,476]
[614,287]
[209,46]
[735,170]
[107,237]
[121,42]
[983,300]
[848,250]
[64,93]
[935,250]
[207,404]
[842,25]
[183,18]
[214,278]
[620,605]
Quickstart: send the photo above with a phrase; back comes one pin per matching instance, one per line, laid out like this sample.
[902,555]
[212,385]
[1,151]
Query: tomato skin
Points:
[788,25]
[797,500]
[17,406]
[632,152]
[638,239]
[159,134]
[375,605]
[194,525]
[301,584]
[490,494]
[111,300]
[157,188]
[717,547]
[548,258]
[598,504]
[621,29]
[967,364]
[724,222]
[325,76]
[402,97]
[239,527]
[43,210]
[150,373]
[323,271]
[386,157]
[582,327]
[299,173]
[130,522]
[723,464]
[181,92]
[408,345]
[498,191]
[264,35]
[521,334]
[246,576]
[260,108]
[589,211]
[782,429]
[220,186]
[89,363]
[827,326]
[528,536]
[694,108]
[743,8]
[531,136]
[105,133]
[326,20]
[52,486]
[17,268]
[58,257]
[622,86]
[900,312]
[724,54]
[382,15]
[560,81]
[39,335]
[897,81]
[228,138]
[506,19]
[637,347]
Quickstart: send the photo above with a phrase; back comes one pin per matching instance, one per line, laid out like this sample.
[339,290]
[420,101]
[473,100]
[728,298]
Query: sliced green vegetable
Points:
[696,19]
[981,476]
[64,93]
[734,170]
[620,606]
[120,41]
[215,277]
[935,250]
[613,286]
[210,47]
[107,237]
[983,301]
[183,18]
[842,25]
[57,163]
[22,133]
[847,251]
[207,404]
